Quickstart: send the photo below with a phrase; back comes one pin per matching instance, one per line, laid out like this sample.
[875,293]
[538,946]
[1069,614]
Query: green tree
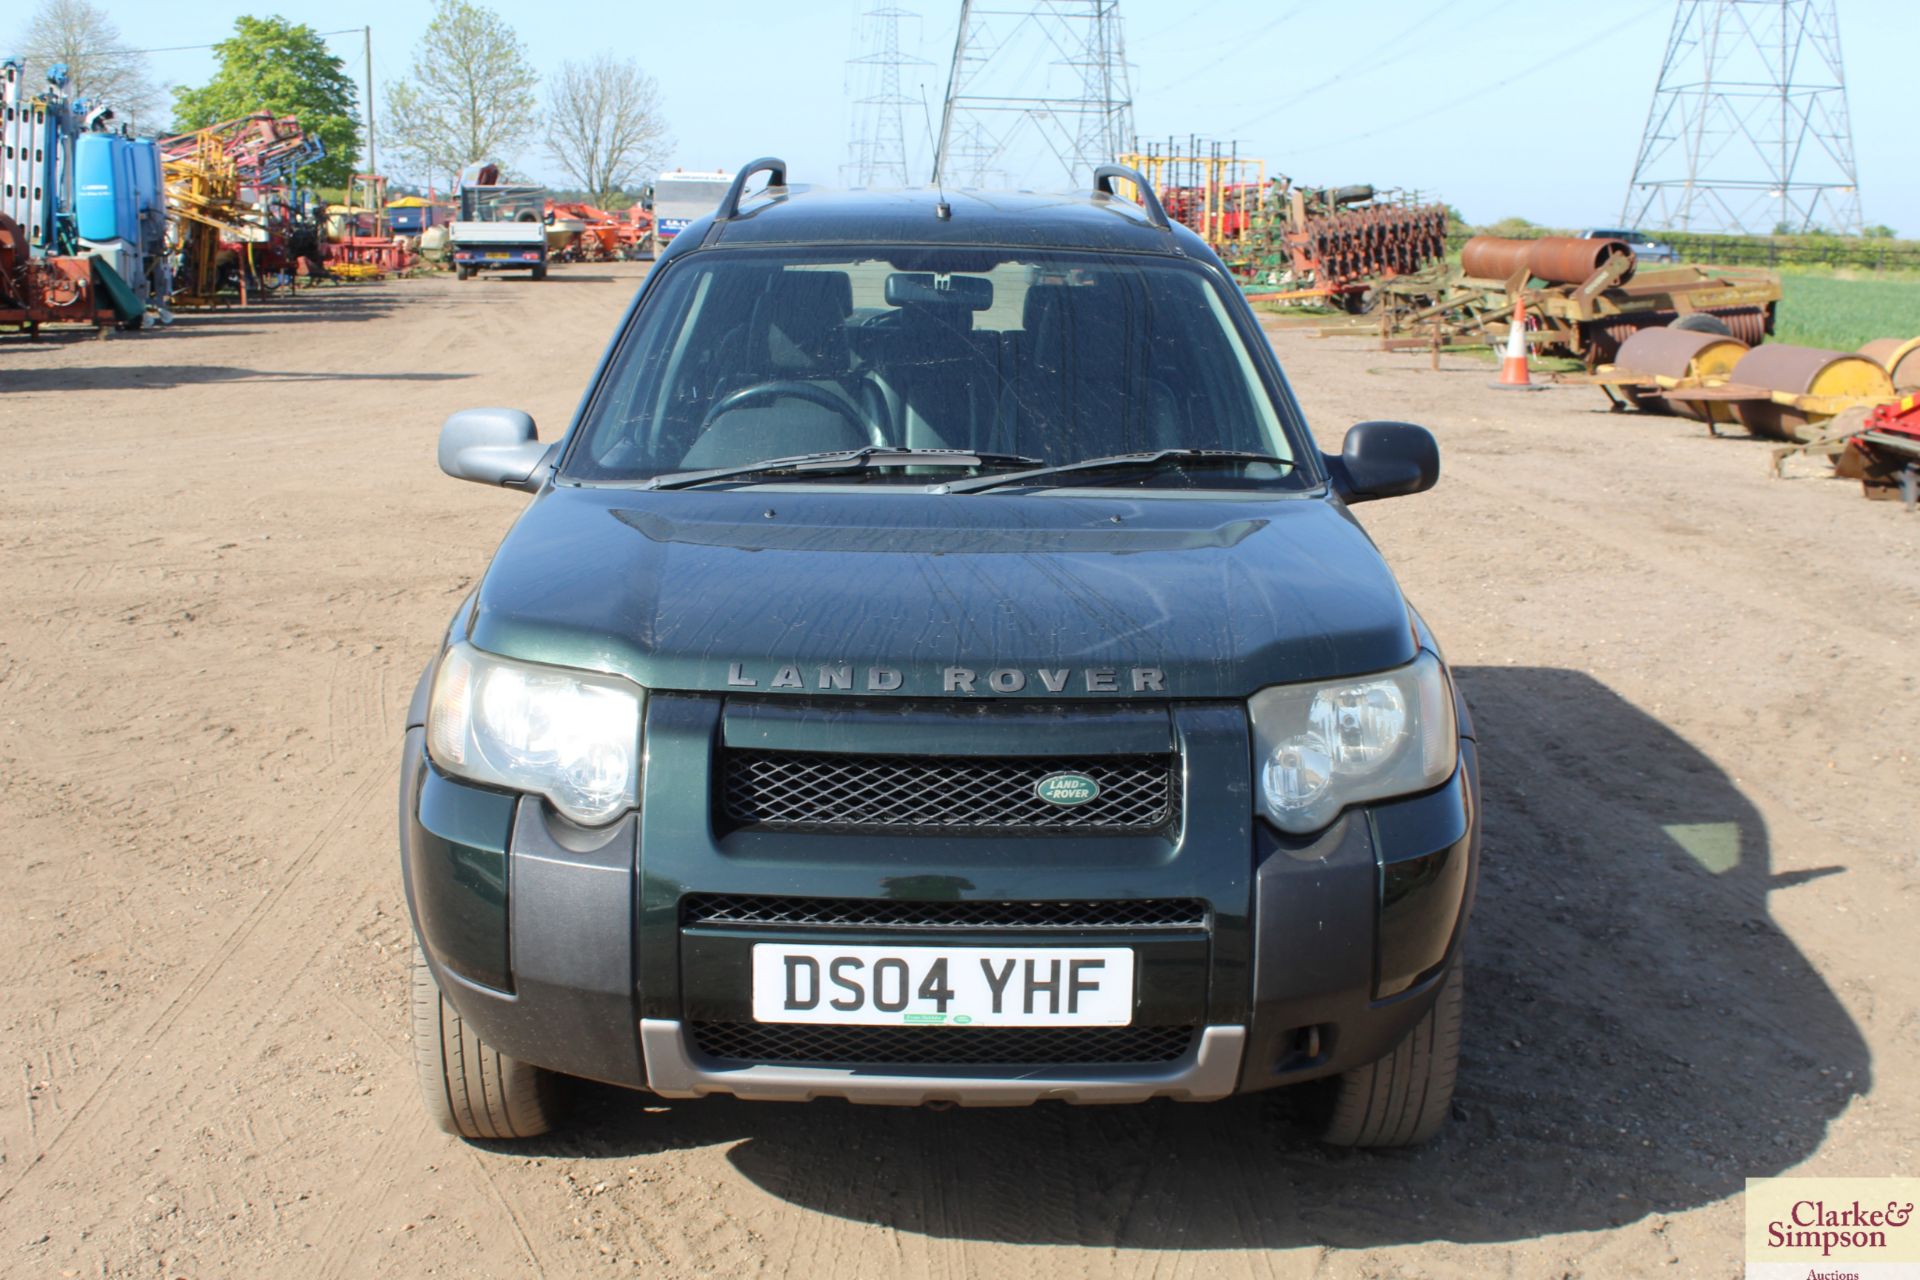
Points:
[470,96]
[1878,231]
[270,64]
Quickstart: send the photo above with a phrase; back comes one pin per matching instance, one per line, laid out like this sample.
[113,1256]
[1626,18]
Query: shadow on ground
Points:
[1641,1039]
[560,274]
[325,304]
[139,377]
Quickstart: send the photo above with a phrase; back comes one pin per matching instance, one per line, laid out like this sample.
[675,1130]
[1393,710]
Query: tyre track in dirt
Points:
[109,1106]
[150,1035]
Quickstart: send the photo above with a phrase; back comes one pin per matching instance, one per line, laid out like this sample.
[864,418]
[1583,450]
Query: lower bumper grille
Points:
[777,1044]
[1129,914]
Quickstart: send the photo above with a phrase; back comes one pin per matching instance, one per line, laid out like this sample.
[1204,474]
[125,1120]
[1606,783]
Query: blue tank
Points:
[94,183]
[105,200]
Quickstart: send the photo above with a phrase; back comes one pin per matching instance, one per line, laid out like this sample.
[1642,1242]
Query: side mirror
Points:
[1385,460]
[492,446]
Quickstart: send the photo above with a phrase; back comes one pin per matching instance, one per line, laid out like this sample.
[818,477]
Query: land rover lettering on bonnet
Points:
[936,665]
[840,675]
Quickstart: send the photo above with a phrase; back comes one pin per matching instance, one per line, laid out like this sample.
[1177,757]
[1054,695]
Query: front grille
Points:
[949,793]
[884,913]
[939,1046]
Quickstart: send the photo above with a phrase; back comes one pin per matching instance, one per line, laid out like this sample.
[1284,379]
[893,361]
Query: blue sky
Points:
[1501,107]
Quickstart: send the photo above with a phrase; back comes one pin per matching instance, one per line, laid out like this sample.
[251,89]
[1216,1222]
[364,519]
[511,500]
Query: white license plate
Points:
[498,257]
[943,986]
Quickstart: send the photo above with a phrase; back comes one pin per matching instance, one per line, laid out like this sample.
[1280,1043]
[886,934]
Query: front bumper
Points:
[1208,1070]
[503,257]
[569,949]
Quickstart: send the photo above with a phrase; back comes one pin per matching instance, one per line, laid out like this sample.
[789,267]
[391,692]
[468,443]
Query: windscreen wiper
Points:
[842,461]
[1152,460]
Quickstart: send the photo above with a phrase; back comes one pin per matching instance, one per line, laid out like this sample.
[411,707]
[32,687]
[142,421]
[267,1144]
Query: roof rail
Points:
[1150,201]
[730,204]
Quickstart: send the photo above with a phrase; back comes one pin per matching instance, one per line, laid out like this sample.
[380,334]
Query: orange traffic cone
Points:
[1513,366]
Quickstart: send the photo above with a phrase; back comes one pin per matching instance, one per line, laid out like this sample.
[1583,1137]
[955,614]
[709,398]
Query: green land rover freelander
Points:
[936,666]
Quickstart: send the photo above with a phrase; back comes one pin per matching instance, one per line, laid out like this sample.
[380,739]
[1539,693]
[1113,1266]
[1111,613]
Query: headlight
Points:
[1322,747]
[571,736]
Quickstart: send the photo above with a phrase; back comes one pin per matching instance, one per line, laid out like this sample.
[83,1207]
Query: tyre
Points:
[1702,322]
[463,273]
[1402,1099]
[540,272]
[472,1090]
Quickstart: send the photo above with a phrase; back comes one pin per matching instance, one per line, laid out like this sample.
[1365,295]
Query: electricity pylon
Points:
[1748,129]
[877,151]
[1041,84]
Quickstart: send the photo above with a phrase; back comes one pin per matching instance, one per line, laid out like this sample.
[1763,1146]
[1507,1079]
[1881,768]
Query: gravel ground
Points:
[226,552]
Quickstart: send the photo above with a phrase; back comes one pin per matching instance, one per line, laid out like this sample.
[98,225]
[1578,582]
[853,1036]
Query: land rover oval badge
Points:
[1066,789]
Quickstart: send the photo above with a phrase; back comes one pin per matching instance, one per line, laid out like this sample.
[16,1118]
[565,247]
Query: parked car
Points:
[1645,247]
[937,665]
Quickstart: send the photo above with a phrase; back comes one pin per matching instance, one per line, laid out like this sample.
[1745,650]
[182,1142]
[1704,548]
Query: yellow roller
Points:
[1808,385]
[1901,359]
[1667,357]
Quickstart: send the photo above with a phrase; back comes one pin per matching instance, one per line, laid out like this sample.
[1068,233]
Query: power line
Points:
[1245,45]
[189,48]
[1427,114]
[1372,59]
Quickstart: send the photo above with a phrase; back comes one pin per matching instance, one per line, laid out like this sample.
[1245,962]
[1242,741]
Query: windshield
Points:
[739,356]
[681,198]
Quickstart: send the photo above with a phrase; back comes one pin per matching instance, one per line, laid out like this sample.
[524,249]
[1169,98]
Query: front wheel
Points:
[1402,1099]
[472,1090]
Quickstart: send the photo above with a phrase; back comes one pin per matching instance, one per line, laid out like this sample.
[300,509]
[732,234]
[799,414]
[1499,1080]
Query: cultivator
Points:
[1340,249]
[1288,242]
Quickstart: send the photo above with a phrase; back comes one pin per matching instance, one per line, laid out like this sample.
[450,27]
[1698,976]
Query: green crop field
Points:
[1840,311]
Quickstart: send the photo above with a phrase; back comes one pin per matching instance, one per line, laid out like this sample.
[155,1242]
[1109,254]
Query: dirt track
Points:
[226,551]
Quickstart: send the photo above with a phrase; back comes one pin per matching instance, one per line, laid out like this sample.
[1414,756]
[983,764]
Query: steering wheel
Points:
[811,392]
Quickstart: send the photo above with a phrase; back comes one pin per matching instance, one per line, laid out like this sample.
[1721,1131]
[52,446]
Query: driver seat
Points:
[797,333]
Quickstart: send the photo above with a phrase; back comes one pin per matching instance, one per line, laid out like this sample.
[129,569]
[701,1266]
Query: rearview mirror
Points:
[1385,460]
[926,289]
[492,446]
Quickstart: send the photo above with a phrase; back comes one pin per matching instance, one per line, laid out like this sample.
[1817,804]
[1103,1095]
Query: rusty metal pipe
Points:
[1492,258]
[1555,259]
[1568,260]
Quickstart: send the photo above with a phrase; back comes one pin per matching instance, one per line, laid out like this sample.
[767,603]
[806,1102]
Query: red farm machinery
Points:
[1288,242]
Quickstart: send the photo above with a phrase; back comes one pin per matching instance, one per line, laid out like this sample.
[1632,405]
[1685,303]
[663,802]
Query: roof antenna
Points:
[942,210]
